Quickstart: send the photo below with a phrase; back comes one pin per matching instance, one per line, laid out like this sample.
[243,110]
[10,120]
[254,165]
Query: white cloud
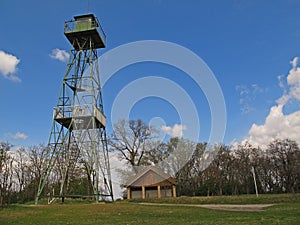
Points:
[277,124]
[60,55]
[175,131]
[293,80]
[281,82]
[248,95]
[295,62]
[256,89]
[242,89]
[8,66]
[18,135]
[292,85]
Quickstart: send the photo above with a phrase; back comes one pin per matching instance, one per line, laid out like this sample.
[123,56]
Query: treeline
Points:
[210,170]
[234,170]
[198,168]
[20,172]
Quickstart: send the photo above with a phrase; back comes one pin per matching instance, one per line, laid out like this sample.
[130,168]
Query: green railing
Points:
[84,25]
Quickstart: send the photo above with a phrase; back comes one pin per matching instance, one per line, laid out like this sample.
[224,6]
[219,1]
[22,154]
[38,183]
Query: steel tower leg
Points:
[78,128]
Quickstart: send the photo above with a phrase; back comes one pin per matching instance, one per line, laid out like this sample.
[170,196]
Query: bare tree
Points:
[6,173]
[180,153]
[285,162]
[37,155]
[132,140]
[223,162]
[243,166]
[21,172]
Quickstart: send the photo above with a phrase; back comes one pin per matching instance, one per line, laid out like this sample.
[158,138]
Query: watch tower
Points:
[78,135]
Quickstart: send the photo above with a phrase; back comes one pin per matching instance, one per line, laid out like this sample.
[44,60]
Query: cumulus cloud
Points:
[60,55]
[277,124]
[282,82]
[292,85]
[8,66]
[293,80]
[18,135]
[295,62]
[175,131]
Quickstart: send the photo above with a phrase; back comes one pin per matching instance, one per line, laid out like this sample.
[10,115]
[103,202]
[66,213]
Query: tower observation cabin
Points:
[83,31]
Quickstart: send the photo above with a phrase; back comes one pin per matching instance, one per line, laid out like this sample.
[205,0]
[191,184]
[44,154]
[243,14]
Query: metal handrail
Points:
[70,26]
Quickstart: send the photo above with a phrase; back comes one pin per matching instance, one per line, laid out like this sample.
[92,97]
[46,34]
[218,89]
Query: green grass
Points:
[235,199]
[125,212]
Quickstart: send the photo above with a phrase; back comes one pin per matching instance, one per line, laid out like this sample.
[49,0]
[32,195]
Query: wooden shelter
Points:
[151,183]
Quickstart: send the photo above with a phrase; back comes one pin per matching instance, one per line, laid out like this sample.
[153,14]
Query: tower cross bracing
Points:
[78,135]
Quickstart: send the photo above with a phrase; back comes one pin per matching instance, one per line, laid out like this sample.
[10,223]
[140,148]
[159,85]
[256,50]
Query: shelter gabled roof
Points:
[150,176]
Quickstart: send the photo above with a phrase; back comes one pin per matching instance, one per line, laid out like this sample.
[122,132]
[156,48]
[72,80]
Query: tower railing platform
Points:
[81,115]
[85,26]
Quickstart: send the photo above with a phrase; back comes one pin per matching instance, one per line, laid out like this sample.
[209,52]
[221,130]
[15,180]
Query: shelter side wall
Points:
[166,193]
[151,193]
[136,194]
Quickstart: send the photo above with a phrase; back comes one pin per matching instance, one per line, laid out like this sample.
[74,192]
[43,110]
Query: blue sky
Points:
[251,47]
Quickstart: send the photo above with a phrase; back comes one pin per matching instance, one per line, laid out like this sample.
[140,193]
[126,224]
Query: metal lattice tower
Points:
[78,131]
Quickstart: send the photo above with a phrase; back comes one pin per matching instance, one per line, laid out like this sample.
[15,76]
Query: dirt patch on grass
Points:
[249,208]
[227,207]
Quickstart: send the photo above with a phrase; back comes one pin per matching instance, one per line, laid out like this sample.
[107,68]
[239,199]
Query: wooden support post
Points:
[174,191]
[143,192]
[158,191]
[128,193]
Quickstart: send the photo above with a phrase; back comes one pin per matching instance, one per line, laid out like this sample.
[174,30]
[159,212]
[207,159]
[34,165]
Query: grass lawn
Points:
[232,199]
[125,212]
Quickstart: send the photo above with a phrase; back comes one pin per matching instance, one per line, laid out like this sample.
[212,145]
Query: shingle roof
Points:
[160,176]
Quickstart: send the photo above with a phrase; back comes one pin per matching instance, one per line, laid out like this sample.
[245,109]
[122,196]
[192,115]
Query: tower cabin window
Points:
[86,24]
